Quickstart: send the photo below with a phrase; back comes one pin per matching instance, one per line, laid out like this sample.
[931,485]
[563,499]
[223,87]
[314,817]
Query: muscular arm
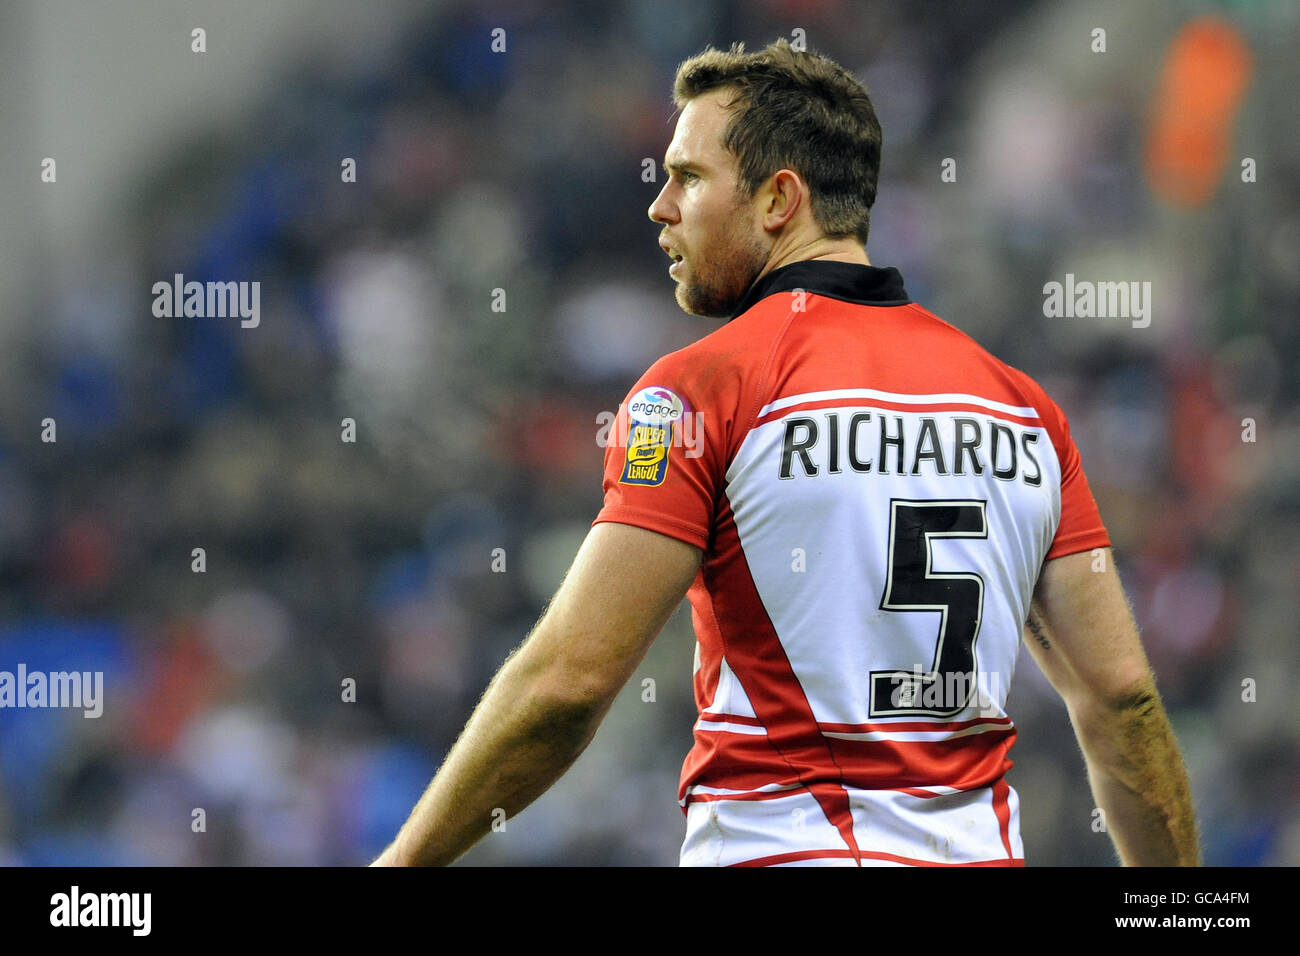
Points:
[543,707]
[1082,635]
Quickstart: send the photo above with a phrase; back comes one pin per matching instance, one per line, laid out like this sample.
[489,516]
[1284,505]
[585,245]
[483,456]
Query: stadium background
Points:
[476,429]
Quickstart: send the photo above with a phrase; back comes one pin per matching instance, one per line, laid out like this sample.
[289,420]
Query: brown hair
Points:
[800,111]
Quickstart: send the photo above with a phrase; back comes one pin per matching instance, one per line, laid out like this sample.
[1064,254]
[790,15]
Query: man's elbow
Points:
[570,695]
[1105,719]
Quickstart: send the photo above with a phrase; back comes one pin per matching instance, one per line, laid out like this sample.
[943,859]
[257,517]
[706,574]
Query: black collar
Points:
[847,281]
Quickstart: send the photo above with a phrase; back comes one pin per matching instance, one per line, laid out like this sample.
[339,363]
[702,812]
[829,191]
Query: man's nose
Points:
[661,211]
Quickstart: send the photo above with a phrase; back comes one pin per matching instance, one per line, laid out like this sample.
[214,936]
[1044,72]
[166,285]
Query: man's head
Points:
[774,158]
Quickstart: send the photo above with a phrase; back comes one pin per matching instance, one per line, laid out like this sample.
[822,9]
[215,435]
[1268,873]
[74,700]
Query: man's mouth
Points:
[672,254]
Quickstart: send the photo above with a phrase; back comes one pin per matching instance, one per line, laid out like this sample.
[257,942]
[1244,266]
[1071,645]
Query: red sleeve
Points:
[1080,528]
[665,457]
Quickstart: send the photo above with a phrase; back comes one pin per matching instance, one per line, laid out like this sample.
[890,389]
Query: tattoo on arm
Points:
[1036,626]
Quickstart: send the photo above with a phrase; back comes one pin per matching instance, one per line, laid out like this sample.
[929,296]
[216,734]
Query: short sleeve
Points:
[665,455]
[1080,528]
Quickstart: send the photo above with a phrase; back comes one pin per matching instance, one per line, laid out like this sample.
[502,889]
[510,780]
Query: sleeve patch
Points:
[647,454]
[654,415]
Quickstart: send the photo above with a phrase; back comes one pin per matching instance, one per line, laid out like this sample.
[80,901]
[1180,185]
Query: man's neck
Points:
[836,250]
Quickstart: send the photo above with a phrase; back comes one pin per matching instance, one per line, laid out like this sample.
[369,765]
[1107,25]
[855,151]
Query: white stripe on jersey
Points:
[918,734]
[900,398]
[937,791]
[724,792]
[730,728]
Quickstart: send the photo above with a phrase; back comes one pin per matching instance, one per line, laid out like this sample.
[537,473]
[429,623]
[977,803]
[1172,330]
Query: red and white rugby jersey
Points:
[875,495]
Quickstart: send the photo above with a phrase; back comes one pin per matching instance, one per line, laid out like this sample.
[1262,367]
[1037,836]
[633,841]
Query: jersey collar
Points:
[847,281]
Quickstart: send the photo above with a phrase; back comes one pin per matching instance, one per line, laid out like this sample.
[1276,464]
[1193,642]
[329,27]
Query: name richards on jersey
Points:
[908,445]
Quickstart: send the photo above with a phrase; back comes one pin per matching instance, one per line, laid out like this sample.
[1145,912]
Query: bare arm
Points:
[1082,634]
[543,707]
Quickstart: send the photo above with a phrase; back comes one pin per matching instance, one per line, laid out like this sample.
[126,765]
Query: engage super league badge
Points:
[653,415]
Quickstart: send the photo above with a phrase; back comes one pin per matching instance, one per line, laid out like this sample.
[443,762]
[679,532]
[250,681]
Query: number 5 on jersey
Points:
[911,585]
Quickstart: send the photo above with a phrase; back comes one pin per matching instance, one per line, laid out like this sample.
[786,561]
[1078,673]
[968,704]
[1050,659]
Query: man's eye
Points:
[686,176]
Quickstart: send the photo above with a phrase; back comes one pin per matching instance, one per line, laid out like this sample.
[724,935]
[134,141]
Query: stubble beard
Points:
[715,287]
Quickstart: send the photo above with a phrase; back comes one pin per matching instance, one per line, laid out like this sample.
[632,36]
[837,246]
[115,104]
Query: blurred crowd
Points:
[485,288]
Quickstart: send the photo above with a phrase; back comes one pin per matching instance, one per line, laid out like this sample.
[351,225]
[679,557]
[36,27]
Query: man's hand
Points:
[1082,635]
[544,705]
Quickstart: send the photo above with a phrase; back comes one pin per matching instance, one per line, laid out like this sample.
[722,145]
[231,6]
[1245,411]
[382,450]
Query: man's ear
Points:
[784,194]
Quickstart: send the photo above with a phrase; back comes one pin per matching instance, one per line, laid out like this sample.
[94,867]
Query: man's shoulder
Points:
[1000,374]
[715,363]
